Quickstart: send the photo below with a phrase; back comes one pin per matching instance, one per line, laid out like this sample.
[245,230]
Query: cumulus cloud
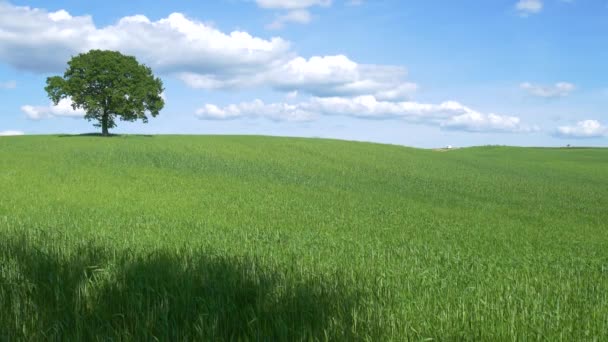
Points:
[10,133]
[296,16]
[448,115]
[297,11]
[478,122]
[38,40]
[527,7]
[62,109]
[8,85]
[319,76]
[583,129]
[340,76]
[560,89]
[256,109]
[199,54]
[292,4]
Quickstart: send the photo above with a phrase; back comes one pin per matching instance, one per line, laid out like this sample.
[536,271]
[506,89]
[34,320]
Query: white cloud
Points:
[300,16]
[297,11]
[34,39]
[60,15]
[199,54]
[8,85]
[62,109]
[478,122]
[560,89]
[583,129]
[10,133]
[369,107]
[340,76]
[319,76]
[527,7]
[448,115]
[292,4]
[256,109]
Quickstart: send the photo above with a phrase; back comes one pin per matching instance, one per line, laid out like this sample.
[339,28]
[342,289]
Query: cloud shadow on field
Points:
[98,293]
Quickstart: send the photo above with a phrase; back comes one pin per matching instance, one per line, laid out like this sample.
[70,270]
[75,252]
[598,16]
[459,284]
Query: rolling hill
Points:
[228,237]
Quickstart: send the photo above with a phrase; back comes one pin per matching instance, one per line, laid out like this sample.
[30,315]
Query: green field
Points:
[260,238]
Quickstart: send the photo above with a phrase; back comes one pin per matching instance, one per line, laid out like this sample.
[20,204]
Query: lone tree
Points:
[108,85]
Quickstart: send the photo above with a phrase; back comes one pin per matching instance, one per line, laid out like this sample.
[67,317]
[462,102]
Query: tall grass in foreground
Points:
[83,292]
[256,238]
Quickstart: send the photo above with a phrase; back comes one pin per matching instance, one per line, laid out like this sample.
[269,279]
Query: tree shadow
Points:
[96,293]
[106,136]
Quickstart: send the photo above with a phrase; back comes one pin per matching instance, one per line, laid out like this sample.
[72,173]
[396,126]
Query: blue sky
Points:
[418,73]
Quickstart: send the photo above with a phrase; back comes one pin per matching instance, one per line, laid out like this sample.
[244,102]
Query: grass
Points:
[259,238]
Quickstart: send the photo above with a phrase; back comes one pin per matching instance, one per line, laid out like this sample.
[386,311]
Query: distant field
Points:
[260,238]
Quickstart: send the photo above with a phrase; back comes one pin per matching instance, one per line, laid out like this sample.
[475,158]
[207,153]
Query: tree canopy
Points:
[108,85]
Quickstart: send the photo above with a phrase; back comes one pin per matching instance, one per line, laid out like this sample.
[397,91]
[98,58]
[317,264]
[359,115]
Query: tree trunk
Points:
[104,125]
